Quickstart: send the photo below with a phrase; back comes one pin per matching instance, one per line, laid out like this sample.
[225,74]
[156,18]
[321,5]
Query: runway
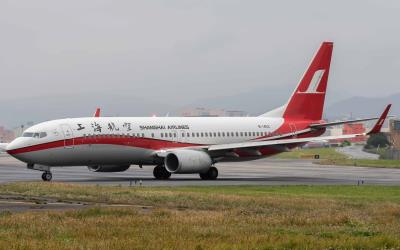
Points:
[261,172]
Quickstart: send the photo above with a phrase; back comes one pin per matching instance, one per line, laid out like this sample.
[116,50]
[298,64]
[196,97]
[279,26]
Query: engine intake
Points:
[108,168]
[187,161]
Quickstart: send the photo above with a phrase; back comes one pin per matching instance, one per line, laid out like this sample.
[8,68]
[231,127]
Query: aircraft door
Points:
[68,136]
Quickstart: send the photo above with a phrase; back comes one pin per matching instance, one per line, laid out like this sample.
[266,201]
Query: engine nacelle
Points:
[186,161]
[108,168]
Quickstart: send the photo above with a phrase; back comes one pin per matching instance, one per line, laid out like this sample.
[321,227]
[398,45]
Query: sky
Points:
[179,51]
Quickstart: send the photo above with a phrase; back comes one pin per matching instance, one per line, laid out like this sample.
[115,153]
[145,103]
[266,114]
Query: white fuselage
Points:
[128,140]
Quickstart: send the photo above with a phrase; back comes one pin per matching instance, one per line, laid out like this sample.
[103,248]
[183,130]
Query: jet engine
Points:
[187,161]
[109,168]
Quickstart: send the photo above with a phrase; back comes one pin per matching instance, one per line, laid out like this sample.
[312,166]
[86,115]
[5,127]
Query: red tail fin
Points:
[307,101]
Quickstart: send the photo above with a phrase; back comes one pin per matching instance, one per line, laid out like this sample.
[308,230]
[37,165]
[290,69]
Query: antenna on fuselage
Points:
[97,113]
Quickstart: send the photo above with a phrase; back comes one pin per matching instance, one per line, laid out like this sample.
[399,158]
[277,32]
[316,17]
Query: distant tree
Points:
[377,140]
[345,144]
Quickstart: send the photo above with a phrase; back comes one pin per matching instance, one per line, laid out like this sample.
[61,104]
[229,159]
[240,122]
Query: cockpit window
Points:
[27,134]
[34,135]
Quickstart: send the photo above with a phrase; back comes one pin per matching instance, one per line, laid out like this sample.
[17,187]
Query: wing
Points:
[328,124]
[283,142]
[278,142]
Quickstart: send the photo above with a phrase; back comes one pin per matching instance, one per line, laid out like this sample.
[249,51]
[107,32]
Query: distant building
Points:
[334,131]
[6,135]
[19,130]
[355,128]
[394,133]
[348,129]
[236,113]
[208,112]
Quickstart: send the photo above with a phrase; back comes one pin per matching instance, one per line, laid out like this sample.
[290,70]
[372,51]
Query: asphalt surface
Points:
[261,172]
[356,152]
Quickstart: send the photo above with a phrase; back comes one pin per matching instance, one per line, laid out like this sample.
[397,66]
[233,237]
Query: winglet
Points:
[97,113]
[378,125]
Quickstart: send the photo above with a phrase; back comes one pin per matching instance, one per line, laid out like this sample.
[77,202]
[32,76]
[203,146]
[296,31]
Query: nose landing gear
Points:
[47,176]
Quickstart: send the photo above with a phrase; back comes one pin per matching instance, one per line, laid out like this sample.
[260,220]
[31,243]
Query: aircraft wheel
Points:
[161,173]
[211,174]
[47,176]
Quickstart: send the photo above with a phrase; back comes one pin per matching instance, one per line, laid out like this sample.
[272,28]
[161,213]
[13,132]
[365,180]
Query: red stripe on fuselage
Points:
[146,143]
[139,142]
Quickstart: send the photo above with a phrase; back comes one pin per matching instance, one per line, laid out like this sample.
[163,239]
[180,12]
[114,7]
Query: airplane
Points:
[184,145]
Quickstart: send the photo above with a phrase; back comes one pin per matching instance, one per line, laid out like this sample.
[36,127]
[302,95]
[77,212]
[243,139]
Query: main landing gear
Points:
[211,174]
[161,173]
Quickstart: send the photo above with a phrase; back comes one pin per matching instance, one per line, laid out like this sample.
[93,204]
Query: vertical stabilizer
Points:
[307,101]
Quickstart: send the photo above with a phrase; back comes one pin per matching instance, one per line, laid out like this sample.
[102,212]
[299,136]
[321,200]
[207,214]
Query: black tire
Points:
[211,174]
[161,173]
[47,176]
[204,176]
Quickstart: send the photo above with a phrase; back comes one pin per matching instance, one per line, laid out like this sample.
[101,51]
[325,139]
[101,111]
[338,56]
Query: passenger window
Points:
[215,134]
[174,134]
[241,133]
[237,134]
[152,135]
[206,134]
[188,134]
[162,135]
[201,134]
[210,134]
[192,134]
[219,134]
[197,134]
[183,134]
[223,134]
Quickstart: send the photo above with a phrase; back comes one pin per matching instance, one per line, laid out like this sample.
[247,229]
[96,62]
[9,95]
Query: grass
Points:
[240,217]
[329,156]
[308,153]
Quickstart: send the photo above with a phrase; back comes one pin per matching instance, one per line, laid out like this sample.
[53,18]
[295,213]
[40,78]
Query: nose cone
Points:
[12,147]
[17,149]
